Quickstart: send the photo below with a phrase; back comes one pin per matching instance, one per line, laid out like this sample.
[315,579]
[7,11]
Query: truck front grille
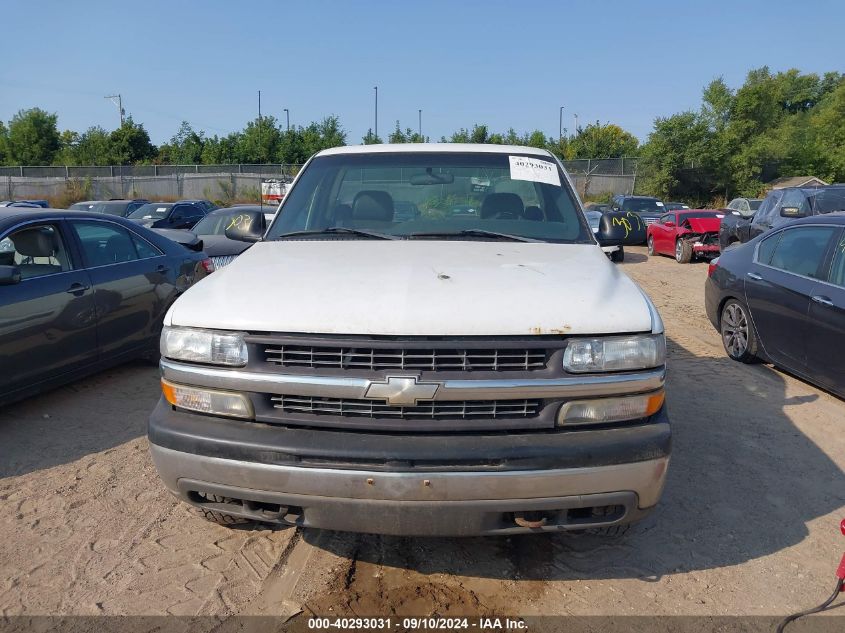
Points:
[425,410]
[376,359]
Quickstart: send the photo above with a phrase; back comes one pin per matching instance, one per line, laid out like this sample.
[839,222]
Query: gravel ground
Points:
[748,524]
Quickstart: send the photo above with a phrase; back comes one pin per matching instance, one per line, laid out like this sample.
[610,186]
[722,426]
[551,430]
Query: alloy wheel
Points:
[735,330]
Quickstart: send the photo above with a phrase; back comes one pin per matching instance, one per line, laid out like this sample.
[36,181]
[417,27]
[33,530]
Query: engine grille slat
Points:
[222,260]
[431,410]
[374,359]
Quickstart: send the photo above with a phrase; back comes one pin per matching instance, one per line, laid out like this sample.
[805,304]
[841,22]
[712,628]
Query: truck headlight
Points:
[605,410]
[204,346]
[615,353]
[226,403]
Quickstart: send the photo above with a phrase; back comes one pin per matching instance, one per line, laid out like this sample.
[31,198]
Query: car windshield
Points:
[153,210]
[433,195]
[829,200]
[700,214]
[109,208]
[643,205]
[216,223]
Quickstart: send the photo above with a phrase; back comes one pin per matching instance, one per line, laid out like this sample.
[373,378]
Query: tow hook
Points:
[522,519]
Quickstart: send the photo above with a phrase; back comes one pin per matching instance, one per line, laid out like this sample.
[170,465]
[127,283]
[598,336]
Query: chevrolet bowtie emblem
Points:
[402,390]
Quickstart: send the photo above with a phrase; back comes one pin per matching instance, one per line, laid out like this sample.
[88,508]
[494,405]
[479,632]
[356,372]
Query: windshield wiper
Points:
[338,229]
[476,233]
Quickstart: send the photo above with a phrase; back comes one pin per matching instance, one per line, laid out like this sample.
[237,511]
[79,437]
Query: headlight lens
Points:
[615,353]
[604,410]
[204,346]
[235,405]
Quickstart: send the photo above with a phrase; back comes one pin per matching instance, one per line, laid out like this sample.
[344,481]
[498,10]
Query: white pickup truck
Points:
[441,373]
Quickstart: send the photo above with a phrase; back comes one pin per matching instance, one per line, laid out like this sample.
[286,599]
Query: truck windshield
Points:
[433,195]
[643,205]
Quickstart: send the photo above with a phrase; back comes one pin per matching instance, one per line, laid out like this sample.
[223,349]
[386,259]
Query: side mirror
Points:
[621,229]
[9,275]
[792,212]
[247,226]
[669,223]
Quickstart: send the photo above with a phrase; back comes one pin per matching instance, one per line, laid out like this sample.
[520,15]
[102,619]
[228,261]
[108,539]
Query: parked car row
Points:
[777,208]
[81,291]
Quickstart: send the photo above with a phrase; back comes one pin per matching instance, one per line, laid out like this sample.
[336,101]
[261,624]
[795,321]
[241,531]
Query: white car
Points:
[432,374]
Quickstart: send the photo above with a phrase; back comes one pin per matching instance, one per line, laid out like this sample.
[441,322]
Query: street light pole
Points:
[376,120]
[560,127]
[287,119]
[421,136]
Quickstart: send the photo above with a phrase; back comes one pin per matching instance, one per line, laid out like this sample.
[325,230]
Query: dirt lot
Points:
[748,524]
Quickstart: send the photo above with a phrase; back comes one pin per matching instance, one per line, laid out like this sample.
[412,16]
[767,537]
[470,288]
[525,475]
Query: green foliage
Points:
[185,148]
[32,138]
[370,138]
[603,141]
[131,144]
[783,124]
[408,136]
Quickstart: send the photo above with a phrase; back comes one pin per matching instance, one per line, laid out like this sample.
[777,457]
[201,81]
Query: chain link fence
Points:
[61,192]
[225,183]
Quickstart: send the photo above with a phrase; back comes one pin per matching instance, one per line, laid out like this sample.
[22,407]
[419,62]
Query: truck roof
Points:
[387,148]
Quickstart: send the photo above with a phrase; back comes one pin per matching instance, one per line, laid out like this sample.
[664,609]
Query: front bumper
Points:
[706,249]
[413,484]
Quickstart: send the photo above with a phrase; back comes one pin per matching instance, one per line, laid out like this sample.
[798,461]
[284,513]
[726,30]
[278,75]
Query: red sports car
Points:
[685,234]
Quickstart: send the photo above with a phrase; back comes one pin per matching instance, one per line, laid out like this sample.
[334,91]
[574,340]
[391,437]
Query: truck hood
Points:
[704,225]
[417,288]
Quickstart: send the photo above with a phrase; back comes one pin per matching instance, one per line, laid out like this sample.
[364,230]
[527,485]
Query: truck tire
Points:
[220,518]
[618,256]
[738,335]
[683,252]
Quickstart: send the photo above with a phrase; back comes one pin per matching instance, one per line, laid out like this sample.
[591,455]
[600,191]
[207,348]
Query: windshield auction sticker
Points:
[534,169]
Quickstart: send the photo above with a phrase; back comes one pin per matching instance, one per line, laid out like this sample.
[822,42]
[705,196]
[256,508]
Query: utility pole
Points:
[560,127]
[421,136]
[376,123]
[118,101]
[576,124]
[287,119]
[260,149]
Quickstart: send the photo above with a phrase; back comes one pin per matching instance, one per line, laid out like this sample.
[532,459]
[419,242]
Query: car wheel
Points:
[651,246]
[618,256]
[738,335]
[683,252]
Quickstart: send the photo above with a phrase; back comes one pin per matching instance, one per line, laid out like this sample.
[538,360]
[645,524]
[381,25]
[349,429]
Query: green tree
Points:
[604,141]
[33,138]
[184,148]
[4,143]
[259,142]
[95,148]
[130,143]
[370,138]
[221,151]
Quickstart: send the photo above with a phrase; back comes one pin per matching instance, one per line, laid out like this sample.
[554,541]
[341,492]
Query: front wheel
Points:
[651,246]
[618,256]
[683,252]
[738,335]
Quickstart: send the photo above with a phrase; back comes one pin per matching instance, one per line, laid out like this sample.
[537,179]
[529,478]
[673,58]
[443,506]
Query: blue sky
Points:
[495,62]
